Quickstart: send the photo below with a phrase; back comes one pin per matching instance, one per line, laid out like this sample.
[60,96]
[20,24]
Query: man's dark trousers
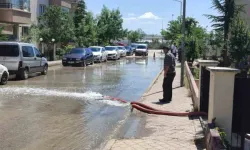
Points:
[168,86]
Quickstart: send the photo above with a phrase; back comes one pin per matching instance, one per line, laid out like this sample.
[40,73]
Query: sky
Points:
[151,15]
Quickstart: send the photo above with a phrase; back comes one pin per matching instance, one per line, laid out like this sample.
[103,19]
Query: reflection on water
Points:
[66,109]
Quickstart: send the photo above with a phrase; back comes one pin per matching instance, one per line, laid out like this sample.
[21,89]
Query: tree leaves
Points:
[2,37]
[109,26]
[135,36]
[56,24]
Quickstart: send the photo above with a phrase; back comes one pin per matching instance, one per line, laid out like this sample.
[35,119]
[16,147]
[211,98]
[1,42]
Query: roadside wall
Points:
[192,85]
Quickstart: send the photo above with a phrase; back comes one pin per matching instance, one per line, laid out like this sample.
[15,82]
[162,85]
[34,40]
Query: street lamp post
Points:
[54,49]
[181,6]
[41,41]
[183,43]
[183,15]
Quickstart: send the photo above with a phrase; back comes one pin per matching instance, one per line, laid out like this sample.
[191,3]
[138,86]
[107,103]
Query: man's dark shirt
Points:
[169,61]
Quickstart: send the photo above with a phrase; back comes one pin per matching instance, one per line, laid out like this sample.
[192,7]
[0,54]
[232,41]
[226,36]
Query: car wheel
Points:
[92,62]
[24,74]
[4,79]
[45,69]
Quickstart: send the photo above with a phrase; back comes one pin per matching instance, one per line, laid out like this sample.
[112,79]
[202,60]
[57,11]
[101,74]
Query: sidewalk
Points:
[54,63]
[167,132]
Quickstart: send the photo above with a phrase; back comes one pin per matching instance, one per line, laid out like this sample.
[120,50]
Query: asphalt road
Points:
[65,109]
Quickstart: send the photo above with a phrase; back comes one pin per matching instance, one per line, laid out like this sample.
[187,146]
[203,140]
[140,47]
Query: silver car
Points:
[22,59]
[99,53]
[122,51]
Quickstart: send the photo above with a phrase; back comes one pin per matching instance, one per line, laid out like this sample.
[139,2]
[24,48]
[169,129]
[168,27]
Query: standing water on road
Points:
[66,109]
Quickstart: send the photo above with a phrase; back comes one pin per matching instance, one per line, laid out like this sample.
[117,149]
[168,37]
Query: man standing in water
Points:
[169,74]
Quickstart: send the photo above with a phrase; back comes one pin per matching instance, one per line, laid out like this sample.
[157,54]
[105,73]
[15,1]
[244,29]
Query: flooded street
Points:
[65,109]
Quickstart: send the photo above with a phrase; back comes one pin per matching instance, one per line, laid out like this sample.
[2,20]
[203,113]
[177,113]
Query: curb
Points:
[109,144]
[54,63]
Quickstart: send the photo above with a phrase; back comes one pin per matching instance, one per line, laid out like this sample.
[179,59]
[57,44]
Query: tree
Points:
[135,36]
[109,26]
[79,22]
[2,37]
[103,26]
[227,9]
[239,43]
[195,36]
[56,24]
[141,33]
[90,30]
[215,42]
[115,25]
[173,32]
[80,13]
[32,36]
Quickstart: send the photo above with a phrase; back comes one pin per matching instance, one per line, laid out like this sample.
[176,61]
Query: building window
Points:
[42,9]
[65,9]
[25,31]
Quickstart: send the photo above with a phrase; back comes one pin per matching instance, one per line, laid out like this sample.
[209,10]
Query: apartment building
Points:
[17,15]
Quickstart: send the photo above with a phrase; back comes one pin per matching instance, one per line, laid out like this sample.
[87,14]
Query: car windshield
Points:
[141,47]
[9,50]
[77,51]
[127,47]
[110,48]
[120,48]
[133,46]
[95,49]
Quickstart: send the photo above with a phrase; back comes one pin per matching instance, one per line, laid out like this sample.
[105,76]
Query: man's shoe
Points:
[164,101]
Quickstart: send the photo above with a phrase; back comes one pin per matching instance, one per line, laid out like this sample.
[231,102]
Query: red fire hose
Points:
[147,109]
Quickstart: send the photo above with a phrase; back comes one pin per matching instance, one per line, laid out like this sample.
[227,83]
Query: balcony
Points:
[63,3]
[15,14]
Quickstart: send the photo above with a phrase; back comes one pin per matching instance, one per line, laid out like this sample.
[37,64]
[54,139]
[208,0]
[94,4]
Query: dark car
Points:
[133,45]
[78,56]
[130,50]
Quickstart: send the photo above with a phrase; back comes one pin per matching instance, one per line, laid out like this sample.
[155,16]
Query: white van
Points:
[22,59]
[141,49]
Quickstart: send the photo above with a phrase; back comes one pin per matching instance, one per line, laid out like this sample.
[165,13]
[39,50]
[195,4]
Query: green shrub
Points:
[67,48]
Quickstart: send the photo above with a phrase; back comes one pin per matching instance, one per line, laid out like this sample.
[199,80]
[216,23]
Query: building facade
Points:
[17,15]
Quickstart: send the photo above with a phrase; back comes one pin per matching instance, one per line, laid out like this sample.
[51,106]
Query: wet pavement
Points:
[65,109]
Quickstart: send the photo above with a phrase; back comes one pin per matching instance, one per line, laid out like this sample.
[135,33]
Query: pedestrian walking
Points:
[169,74]
[174,49]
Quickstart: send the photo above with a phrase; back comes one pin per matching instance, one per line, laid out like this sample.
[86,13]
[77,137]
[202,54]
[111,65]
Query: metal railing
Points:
[11,5]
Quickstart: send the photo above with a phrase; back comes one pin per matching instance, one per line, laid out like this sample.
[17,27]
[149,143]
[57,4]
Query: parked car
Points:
[129,50]
[122,50]
[4,75]
[112,52]
[22,59]
[99,53]
[133,45]
[78,56]
[141,49]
